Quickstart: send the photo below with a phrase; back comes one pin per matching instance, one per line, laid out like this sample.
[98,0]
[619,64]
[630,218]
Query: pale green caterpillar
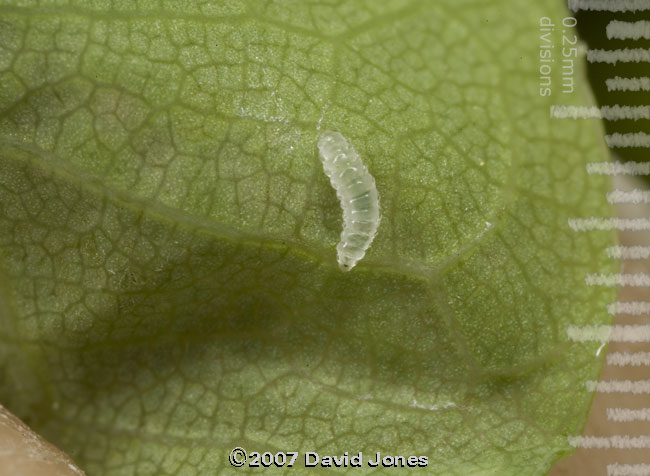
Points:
[357,192]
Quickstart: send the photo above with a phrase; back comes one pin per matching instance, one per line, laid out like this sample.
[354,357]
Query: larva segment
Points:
[357,192]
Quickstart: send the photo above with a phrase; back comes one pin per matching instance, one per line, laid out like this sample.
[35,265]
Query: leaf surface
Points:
[169,287]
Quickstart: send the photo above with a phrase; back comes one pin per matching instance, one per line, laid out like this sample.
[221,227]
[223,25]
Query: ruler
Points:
[616,441]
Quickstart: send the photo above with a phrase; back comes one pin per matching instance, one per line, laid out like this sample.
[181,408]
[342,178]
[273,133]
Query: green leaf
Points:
[169,287]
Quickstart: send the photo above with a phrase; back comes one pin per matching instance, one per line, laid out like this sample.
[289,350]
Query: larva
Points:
[357,192]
